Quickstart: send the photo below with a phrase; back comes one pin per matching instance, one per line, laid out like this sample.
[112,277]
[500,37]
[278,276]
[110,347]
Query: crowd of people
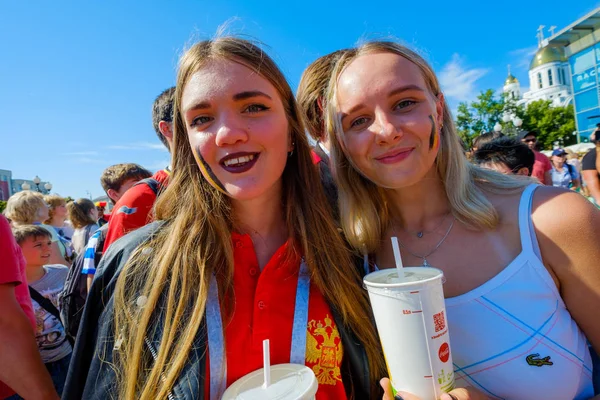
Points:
[273,209]
[564,168]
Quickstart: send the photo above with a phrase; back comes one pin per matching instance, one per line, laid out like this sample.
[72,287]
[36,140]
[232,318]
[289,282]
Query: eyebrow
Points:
[236,97]
[250,94]
[390,94]
[198,106]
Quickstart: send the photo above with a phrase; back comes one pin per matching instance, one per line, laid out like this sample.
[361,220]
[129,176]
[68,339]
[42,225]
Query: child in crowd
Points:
[29,208]
[57,216]
[84,216]
[45,284]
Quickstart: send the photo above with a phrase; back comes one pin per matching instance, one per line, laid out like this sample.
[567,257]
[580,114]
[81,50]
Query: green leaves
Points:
[553,124]
[478,117]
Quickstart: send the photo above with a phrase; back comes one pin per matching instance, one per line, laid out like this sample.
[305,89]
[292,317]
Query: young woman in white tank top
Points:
[520,260]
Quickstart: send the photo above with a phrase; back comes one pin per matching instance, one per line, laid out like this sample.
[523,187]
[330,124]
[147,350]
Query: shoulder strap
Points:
[44,303]
[152,183]
[528,237]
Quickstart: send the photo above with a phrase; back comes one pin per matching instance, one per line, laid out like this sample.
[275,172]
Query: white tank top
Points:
[513,337]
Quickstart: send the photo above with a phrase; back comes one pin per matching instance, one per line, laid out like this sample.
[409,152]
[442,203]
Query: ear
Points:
[440,105]
[114,196]
[523,171]
[166,129]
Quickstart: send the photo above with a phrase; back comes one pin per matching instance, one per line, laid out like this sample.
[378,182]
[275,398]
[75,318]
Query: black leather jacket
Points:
[92,377]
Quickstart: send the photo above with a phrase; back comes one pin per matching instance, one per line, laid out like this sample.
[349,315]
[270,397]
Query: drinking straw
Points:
[266,363]
[397,257]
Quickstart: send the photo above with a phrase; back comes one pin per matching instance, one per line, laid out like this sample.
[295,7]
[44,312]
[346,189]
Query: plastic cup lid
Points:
[413,276]
[288,382]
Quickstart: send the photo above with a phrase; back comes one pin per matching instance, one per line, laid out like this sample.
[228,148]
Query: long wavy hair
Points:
[363,208]
[194,243]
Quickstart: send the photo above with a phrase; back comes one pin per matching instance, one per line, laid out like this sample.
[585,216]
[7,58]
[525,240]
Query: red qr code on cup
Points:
[439,322]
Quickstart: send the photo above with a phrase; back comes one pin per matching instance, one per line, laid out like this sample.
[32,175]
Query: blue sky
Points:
[77,79]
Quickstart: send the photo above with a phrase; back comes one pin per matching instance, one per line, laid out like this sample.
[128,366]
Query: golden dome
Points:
[547,55]
[510,79]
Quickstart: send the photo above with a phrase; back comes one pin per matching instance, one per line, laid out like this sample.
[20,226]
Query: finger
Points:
[387,389]
[449,396]
[389,394]
[406,396]
[464,394]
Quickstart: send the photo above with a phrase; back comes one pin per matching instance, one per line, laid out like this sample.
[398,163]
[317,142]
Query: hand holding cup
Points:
[468,393]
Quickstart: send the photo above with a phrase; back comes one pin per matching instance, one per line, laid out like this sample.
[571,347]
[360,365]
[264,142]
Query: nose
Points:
[385,130]
[231,130]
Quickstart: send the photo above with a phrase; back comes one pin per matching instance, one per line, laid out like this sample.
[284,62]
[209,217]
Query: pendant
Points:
[425,263]
[419,235]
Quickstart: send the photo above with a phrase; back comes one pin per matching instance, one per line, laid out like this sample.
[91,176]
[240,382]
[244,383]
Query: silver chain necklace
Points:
[424,257]
[419,234]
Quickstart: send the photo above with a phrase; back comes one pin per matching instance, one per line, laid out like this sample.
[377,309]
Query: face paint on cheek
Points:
[208,172]
[433,137]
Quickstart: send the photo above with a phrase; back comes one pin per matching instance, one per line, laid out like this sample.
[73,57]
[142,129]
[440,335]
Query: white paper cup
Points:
[288,382]
[410,314]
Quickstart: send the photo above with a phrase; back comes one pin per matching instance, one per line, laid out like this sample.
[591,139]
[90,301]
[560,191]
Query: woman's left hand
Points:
[468,393]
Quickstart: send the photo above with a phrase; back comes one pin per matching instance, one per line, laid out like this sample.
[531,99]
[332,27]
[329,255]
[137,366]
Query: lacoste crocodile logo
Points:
[534,361]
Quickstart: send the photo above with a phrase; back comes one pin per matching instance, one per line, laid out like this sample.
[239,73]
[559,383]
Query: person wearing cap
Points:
[102,218]
[542,165]
[563,174]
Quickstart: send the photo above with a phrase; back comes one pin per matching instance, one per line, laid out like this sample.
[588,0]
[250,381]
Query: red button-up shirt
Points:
[264,304]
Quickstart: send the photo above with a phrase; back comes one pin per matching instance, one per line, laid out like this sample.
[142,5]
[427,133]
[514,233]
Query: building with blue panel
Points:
[581,44]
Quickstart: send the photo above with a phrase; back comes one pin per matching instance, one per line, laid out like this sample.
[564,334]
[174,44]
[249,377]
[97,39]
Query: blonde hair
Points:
[79,212]
[363,207]
[194,243]
[22,208]
[53,201]
[312,91]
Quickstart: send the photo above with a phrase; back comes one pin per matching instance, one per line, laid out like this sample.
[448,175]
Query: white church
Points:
[548,77]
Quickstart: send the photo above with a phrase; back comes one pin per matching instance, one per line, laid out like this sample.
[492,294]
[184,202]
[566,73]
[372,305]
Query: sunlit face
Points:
[61,210]
[37,250]
[237,129]
[559,160]
[94,213]
[390,119]
[530,141]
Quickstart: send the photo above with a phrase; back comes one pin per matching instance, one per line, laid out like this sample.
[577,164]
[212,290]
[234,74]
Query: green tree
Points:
[464,122]
[68,199]
[480,116]
[552,124]
[2,206]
